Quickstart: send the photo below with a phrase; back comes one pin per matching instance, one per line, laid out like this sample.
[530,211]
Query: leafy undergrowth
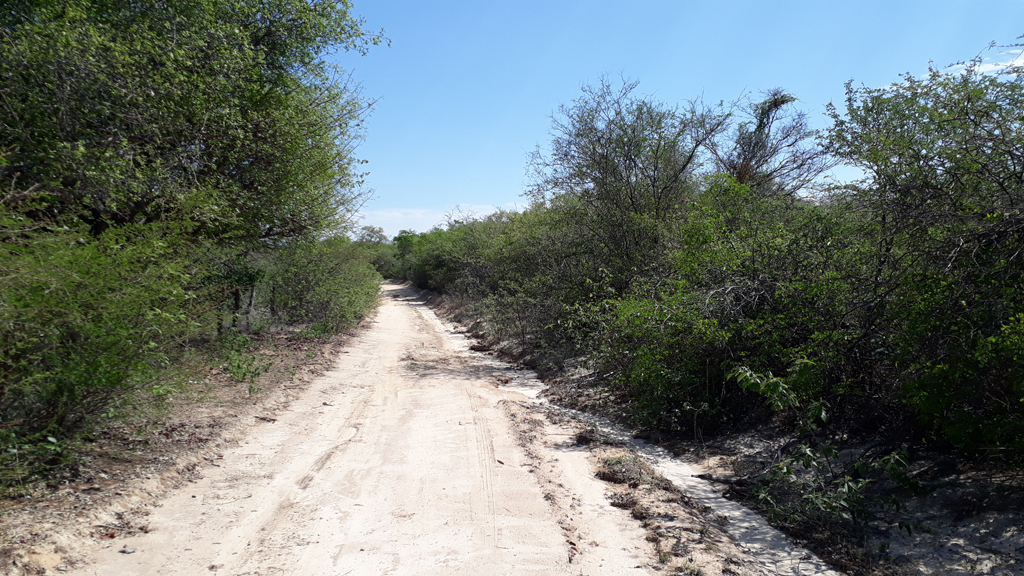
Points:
[905,510]
[941,515]
[129,462]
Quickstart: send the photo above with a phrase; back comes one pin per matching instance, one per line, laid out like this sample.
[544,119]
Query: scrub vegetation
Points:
[701,263]
[175,174]
[178,175]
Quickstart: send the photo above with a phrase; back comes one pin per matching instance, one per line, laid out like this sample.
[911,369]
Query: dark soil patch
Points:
[632,470]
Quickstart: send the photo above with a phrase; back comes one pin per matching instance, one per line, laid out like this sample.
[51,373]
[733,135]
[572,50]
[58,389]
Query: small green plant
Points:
[235,342]
[783,393]
[689,570]
[25,459]
[258,326]
[246,367]
[813,471]
[826,488]
[316,331]
[162,391]
[253,390]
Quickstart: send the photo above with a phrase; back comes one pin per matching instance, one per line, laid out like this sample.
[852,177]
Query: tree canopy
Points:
[160,158]
[222,114]
[679,251]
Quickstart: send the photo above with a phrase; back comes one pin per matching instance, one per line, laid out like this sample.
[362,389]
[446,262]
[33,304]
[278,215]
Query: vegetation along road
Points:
[179,258]
[413,456]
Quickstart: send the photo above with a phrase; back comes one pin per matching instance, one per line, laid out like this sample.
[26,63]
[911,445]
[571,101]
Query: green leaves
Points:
[622,166]
[328,284]
[151,150]
[226,115]
[787,393]
[86,322]
[945,153]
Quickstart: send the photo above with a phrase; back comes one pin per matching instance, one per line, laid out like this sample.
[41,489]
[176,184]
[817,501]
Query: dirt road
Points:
[400,461]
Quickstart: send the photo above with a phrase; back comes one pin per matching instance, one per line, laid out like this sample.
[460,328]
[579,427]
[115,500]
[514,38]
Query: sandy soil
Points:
[400,461]
[411,455]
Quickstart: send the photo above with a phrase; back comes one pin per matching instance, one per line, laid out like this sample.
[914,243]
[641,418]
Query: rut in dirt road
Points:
[399,461]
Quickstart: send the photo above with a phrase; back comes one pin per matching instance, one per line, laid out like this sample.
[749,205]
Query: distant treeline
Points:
[701,261]
[167,167]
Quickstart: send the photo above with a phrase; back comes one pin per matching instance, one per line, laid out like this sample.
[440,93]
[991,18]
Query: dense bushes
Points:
[162,160]
[892,305]
[329,284]
[85,321]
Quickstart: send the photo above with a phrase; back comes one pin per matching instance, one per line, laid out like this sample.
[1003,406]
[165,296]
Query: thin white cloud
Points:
[1005,59]
[1008,59]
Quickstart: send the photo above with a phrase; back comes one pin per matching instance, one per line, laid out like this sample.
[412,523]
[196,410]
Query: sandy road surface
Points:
[400,461]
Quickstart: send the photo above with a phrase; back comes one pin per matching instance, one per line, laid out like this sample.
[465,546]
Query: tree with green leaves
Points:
[622,166]
[775,152]
[157,153]
[944,195]
[222,114]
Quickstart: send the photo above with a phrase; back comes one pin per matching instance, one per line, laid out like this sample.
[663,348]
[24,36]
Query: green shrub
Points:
[328,284]
[88,326]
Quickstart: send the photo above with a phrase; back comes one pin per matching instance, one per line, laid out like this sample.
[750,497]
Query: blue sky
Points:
[467,88]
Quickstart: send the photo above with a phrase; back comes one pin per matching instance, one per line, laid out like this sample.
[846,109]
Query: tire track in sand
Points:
[383,479]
